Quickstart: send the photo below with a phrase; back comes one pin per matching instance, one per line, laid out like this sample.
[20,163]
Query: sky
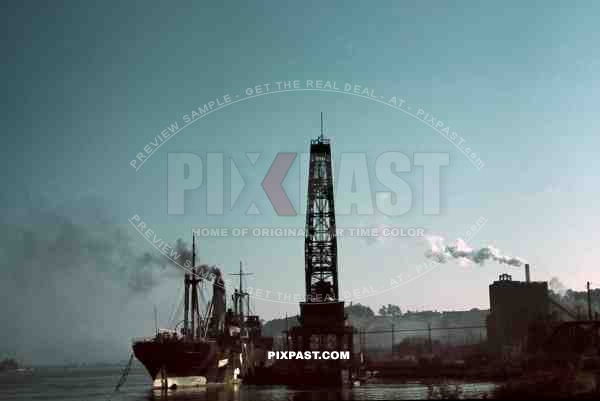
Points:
[88,87]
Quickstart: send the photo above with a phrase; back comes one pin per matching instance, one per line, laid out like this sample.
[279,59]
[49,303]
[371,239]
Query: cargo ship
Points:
[214,345]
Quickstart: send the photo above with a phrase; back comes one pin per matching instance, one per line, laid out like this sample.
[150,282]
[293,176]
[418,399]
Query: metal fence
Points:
[397,343]
[450,342]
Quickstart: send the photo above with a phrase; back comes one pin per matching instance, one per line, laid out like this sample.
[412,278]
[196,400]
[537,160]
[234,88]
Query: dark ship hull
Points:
[181,363]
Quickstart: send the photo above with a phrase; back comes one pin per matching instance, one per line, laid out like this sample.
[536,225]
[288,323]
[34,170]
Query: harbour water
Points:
[97,384]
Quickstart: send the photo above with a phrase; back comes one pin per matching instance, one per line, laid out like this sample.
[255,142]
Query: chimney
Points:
[527,278]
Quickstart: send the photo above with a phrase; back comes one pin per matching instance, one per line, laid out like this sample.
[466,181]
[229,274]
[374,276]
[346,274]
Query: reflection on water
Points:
[402,391]
[93,384]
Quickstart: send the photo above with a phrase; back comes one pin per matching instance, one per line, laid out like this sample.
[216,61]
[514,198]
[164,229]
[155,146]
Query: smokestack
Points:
[589,301]
[527,277]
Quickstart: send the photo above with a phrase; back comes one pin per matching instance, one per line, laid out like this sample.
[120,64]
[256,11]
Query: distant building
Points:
[516,307]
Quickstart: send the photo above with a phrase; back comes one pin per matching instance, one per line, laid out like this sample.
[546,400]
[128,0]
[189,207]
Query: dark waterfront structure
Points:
[516,307]
[323,325]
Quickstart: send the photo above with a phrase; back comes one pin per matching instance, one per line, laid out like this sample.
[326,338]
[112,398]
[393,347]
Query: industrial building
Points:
[516,307]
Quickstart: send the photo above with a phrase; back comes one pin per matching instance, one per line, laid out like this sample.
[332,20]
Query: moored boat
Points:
[217,347]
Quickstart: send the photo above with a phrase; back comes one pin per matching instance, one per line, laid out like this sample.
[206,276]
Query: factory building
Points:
[516,308]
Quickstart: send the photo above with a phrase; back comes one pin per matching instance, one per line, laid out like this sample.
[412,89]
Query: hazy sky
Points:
[88,87]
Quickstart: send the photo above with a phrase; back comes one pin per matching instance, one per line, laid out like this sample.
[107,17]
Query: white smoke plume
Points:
[442,252]
[557,286]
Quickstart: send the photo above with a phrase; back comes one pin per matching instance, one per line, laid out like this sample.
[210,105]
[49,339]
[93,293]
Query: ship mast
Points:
[186,308]
[193,288]
[191,281]
[240,294]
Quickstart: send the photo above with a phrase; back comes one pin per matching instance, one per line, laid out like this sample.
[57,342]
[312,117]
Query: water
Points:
[97,384]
